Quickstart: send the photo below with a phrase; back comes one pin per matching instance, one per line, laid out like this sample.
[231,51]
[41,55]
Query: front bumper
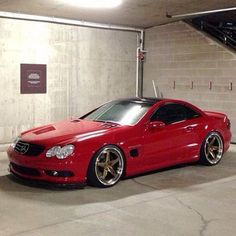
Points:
[45,184]
[71,171]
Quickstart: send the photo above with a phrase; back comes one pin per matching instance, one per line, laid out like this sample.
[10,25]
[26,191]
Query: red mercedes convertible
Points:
[120,138]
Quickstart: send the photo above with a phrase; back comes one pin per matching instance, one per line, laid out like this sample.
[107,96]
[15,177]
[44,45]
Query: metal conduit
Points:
[200,13]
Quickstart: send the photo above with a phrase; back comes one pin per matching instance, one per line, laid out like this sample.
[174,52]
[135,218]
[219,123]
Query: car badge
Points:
[24,149]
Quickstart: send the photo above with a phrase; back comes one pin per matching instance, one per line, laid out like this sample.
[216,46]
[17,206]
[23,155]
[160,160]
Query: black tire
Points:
[106,167]
[212,149]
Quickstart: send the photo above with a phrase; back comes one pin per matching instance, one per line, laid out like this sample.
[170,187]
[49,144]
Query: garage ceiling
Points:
[139,13]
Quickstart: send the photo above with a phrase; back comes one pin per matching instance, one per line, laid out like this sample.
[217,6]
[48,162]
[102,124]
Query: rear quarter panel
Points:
[219,122]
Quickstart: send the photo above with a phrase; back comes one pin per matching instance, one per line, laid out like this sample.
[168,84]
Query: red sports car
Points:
[120,138]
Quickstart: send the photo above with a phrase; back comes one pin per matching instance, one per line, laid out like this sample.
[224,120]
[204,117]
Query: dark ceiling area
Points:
[223,17]
[221,26]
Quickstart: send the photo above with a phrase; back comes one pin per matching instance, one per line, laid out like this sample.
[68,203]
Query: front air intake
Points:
[24,170]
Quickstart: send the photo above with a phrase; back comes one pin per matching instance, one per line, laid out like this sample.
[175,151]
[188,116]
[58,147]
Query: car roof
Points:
[149,101]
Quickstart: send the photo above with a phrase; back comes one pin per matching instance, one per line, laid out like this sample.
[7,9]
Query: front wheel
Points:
[212,149]
[106,167]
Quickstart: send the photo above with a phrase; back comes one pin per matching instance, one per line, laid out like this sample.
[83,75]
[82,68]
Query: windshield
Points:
[121,112]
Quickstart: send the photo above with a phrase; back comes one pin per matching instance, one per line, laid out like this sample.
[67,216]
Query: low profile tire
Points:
[212,149]
[106,167]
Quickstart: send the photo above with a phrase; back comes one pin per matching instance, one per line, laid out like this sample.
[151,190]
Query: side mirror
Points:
[156,125]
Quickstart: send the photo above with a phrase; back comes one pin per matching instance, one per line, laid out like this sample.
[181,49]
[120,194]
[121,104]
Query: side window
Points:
[191,113]
[171,113]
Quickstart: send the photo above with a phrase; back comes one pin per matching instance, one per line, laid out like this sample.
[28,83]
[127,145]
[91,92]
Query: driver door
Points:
[167,145]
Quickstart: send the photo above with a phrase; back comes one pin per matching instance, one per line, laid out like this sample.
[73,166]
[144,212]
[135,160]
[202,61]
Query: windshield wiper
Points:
[107,122]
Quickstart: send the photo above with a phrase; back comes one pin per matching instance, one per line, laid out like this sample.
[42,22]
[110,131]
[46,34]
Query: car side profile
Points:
[120,138]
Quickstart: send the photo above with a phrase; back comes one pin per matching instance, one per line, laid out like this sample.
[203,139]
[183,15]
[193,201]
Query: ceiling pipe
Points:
[139,65]
[137,90]
[46,19]
[200,13]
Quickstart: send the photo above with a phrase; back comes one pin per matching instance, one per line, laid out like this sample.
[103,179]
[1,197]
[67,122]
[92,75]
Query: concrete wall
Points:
[177,52]
[85,67]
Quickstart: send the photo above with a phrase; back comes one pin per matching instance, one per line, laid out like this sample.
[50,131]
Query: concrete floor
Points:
[191,200]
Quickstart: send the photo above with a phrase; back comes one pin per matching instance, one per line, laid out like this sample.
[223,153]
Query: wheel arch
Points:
[112,145]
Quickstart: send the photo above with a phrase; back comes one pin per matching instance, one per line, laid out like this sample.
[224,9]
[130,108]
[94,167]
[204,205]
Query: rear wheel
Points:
[106,167]
[212,149]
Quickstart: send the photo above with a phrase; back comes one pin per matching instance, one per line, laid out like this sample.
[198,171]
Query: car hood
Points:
[67,131]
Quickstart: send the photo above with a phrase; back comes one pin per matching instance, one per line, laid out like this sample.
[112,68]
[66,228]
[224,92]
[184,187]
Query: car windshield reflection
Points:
[119,112]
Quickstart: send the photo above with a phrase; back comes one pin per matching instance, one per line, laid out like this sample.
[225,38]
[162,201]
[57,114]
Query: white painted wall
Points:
[85,67]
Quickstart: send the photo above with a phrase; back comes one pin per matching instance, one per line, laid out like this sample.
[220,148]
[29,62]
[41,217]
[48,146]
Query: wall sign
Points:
[33,78]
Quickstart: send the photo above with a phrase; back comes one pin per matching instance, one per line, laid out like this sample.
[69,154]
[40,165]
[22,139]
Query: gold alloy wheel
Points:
[109,166]
[213,148]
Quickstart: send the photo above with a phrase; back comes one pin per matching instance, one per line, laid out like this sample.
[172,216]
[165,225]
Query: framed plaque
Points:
[33,78]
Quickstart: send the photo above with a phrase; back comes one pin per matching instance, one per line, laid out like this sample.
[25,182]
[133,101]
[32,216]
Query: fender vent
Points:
[134,152]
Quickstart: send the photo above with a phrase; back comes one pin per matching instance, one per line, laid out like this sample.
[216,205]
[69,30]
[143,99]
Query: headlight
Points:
[60,152]
[13,145]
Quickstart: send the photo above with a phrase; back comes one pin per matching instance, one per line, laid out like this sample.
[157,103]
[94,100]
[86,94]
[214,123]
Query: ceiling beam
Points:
[20,16]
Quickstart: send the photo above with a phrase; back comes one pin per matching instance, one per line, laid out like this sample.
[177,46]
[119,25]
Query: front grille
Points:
[28,149]
[25,170]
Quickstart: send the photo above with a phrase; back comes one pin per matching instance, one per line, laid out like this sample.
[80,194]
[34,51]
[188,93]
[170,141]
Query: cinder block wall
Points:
[177,52]
[85,67]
